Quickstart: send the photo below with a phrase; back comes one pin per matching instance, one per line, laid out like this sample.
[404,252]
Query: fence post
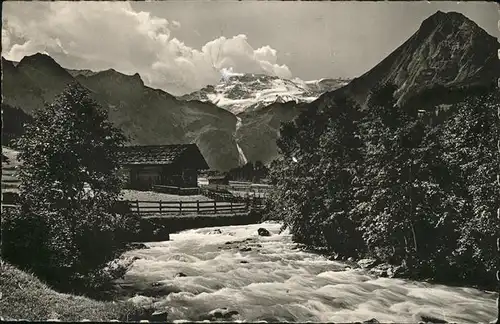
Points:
[160,206]
[180,207]
[231,205]
[215,206]
[198,206]
[137,205]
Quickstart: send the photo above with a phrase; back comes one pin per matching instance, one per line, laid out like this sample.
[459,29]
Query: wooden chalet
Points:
[164,165]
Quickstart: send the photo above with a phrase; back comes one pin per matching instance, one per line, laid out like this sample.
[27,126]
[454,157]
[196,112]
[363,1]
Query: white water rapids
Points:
[278,282]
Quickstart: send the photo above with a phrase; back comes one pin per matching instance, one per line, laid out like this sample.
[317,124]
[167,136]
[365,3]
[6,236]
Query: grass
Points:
[23,296]
[155,196]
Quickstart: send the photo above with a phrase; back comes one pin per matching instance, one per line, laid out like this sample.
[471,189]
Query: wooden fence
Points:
[182,207]
[176,190]
[6,207]
[222,203]
[191,207]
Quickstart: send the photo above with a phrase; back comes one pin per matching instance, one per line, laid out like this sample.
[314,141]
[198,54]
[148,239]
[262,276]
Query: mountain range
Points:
[238,120]
[147,116]
[241,93]
[151,116]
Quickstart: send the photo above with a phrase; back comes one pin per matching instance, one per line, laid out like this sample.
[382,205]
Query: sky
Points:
[182,46]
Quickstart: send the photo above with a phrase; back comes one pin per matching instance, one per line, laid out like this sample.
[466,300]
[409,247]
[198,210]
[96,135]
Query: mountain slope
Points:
[27,95]
[156,117]
[447,56]
[146,115]
[261,103]
[45,74]
[448,51]
[14,126]
[258,129]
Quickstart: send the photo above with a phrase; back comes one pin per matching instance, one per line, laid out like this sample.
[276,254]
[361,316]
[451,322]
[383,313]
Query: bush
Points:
[71,261]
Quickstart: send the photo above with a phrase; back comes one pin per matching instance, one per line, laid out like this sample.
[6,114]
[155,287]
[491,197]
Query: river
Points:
[262,278]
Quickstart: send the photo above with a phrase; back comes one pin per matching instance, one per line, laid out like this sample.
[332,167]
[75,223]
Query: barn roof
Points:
[185,155]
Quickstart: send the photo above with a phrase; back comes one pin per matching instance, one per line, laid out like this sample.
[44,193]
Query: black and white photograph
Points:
[250,161]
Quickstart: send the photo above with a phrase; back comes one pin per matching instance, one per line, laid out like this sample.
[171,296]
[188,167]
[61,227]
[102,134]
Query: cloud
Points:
[103,35]
[228,73]
[176,24]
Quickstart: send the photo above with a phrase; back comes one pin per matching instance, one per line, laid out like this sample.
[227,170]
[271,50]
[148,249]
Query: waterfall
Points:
[242,158]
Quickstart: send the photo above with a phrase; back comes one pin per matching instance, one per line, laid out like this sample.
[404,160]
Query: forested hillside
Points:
[409,187]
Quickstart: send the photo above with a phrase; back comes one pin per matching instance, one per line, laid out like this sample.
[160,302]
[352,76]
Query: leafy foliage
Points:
[66,229]
[408,187]
[313,177]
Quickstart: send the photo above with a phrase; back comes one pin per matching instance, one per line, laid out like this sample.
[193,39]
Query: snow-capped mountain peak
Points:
[238,92]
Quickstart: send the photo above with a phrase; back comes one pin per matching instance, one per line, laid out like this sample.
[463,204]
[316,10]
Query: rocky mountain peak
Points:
[40,66]
[38,59]
[118,77]
[450,23]
[448,51]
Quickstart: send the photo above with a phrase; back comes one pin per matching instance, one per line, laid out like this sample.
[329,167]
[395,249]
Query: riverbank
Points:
[158,227]
[25,297]
[386,270]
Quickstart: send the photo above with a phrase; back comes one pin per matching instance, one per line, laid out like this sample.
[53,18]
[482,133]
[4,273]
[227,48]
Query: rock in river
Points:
[159,316]
[263,232]
[432,319]
[221,313]
[368,263]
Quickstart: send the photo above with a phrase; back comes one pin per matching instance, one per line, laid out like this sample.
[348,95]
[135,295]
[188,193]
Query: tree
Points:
[418,186]
[315,176]
[66,230]
[470,140]
[383,206]
[338,176]
[430,189]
